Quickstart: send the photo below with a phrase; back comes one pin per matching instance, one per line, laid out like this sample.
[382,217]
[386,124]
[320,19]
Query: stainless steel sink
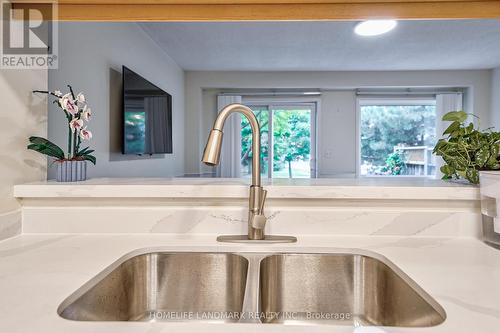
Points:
[164,286]
[342,289]
[331,288]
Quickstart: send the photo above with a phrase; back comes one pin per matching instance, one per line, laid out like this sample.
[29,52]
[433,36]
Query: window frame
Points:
[387,100]
[282,103]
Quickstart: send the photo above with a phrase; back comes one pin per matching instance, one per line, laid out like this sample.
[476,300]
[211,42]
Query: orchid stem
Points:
[69,143]
[44,92]
[74,144]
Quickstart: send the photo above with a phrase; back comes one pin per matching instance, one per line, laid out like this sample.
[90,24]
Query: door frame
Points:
[274,102]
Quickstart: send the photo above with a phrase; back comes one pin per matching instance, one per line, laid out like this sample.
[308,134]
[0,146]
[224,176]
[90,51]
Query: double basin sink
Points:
[268,288]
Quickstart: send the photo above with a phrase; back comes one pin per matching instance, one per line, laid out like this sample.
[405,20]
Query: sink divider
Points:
[251,300]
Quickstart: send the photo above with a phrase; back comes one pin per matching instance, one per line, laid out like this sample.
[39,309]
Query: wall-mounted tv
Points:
[147,116]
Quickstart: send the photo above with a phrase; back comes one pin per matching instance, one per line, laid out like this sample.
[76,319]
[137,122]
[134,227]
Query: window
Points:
[397,137]
[287,140]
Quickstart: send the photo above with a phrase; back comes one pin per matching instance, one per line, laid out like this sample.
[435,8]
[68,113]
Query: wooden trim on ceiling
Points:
[253,10]
[233,2]
[241,2]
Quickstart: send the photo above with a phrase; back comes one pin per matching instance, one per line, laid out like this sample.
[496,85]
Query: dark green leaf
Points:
[90,158]
[44,150]
[84,151]
[46,147]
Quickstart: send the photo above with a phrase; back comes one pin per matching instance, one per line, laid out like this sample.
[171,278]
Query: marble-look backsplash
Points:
[10,224]
[22,114]
[294,217]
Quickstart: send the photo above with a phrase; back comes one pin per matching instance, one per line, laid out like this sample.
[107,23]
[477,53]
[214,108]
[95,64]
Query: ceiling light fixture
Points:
[374,27]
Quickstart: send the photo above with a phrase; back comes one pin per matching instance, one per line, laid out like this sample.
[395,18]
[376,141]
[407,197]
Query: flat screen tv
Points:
[147,116]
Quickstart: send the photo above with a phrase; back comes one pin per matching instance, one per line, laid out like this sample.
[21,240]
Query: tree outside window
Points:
[290,141]
[397,139]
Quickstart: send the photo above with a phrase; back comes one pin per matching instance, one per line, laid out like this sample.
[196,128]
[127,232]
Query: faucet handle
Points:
[262,202]
[259,221]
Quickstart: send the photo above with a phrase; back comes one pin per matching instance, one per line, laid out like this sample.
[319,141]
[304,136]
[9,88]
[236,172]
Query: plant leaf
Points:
[447,170]
[494,154]
[84,151]
[452,128]
[459,116]
[90,158]
[472,175]
[46,147]
[459,163]
[44,150]
[482,156]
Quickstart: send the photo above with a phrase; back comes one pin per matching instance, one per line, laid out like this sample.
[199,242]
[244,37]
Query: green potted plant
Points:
[466,150]
[71,166]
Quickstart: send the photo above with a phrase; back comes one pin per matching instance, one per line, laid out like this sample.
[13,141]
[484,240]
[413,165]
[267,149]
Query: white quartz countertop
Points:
[360,188]
[37,272]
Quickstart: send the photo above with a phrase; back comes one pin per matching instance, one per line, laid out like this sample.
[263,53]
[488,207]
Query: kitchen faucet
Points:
[211,156]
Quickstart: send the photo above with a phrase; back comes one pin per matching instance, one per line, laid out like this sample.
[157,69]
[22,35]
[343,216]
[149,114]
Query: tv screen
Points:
[147,116]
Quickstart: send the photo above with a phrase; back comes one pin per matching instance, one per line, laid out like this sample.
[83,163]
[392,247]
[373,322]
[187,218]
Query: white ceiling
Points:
[268,46]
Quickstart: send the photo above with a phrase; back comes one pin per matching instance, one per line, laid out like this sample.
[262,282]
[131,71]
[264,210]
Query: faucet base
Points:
[267,240]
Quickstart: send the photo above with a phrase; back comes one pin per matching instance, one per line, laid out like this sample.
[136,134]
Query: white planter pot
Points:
[71,171]
[490,206]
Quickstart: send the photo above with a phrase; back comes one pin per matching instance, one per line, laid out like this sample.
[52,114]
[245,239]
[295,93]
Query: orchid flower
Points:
[77,113]
[87,113]
[80,98]
[68,104]
[75,124]
[85,134]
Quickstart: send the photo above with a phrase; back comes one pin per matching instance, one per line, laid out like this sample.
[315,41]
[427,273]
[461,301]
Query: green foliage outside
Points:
[291,139]
[385,126]
[246,140]
[395,164]
[467,150]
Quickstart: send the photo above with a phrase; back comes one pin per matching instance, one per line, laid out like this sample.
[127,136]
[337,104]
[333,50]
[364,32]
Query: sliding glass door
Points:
[287,138]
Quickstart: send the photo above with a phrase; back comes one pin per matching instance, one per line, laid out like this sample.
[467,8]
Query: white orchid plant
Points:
[78,114]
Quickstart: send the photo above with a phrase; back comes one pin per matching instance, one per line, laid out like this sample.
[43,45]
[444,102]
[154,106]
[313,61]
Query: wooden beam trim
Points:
[288,12]
[241,2]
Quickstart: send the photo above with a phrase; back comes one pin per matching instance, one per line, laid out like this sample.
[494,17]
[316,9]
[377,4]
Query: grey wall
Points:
[337,134]
[495,98]
[91,56]
[337,117]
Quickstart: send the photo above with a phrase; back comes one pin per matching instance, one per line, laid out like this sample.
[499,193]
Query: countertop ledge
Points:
[362,188]
[38,272]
